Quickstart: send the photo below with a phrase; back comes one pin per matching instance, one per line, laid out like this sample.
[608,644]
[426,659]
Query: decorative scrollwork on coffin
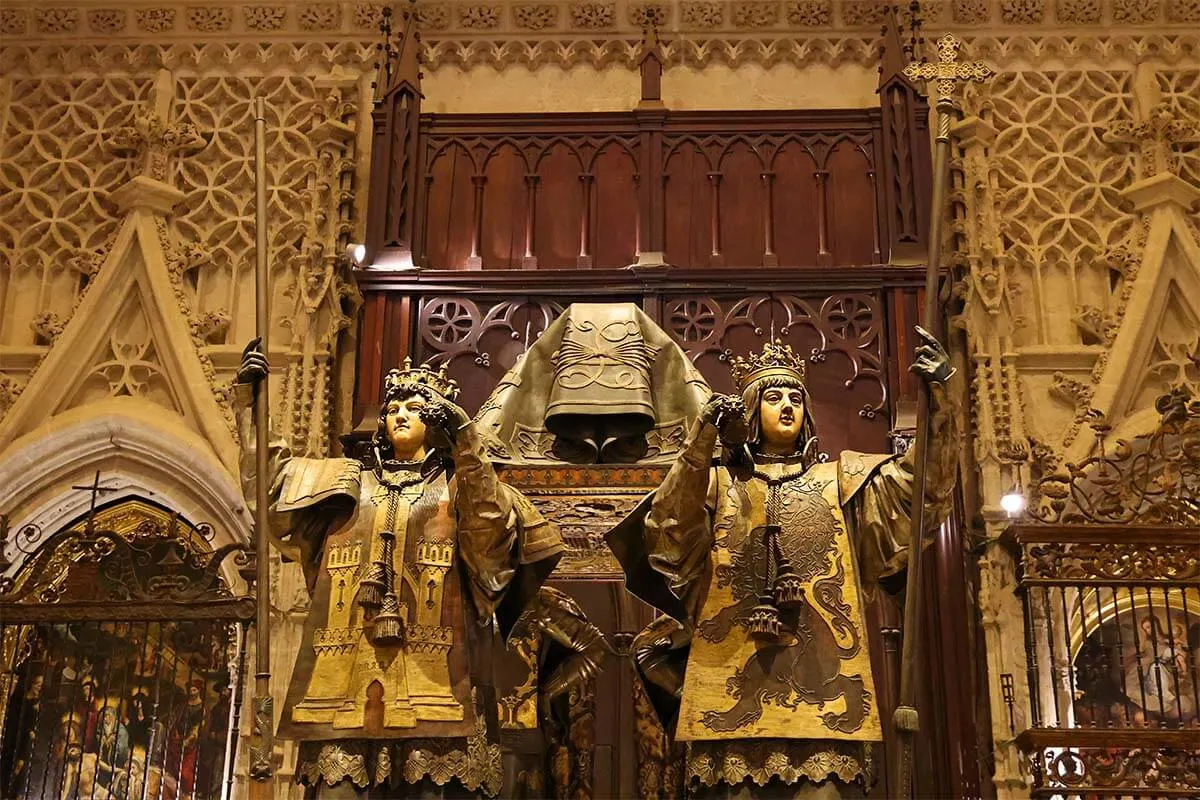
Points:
[1150,480]
[1104,769]
[131,552]
[1118,561]
[848,324]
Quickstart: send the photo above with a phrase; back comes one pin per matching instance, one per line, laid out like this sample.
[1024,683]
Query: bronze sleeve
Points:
[679,532]
[487,521]
[880,511]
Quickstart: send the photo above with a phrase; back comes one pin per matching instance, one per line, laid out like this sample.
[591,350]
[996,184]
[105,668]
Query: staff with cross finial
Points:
[946,74]
[262,742]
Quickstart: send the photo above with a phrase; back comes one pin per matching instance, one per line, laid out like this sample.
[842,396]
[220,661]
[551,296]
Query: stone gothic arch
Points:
[138,451]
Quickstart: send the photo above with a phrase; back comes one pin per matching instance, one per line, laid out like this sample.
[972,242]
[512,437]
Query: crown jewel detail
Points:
[420,379]
[776,358]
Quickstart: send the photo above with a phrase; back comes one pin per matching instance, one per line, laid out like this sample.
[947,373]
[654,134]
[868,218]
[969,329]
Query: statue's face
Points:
[781,412]
[405,430]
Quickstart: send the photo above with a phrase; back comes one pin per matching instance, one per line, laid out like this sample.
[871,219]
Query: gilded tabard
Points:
[815,681]
[346,687]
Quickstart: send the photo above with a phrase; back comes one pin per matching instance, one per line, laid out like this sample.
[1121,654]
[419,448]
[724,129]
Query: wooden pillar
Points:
[905,167]
[651,116]
[392,196]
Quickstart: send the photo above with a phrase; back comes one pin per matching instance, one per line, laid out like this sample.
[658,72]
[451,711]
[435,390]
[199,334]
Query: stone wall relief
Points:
[1076,264]
[78,139]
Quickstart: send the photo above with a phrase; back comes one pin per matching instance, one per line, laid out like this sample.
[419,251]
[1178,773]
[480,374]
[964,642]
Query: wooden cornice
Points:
[584,282]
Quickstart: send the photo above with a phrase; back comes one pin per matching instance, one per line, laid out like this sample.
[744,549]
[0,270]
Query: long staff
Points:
[262,771]
[947,72]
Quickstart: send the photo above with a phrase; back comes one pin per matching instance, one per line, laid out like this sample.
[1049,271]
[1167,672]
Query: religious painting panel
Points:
[1138,667]
[120,709]
[122,653]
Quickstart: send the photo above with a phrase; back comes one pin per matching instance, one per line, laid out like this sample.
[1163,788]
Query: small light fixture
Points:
[1012,501]
[356,253]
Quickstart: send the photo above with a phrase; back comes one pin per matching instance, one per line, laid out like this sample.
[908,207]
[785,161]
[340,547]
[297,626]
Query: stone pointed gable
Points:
[128,337]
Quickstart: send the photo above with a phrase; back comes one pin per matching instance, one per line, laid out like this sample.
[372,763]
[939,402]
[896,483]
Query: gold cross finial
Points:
[948,71]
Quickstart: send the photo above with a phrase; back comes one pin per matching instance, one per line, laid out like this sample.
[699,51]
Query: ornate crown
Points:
[776,358]
[420,379]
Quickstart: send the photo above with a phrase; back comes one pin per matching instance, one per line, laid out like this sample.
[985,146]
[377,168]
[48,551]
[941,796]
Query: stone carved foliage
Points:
[863,13]
[701,13]
[53,192]
[483,16]
[319,17]
[264,18]
[209,19]
[218,19]
[107,20]
[56,20]
[755,13]
[367,16]
[1183,11]
[643,15]
[536,16]
[809,13]
[13,21]
[592,15]
[1079,12]
[155,20]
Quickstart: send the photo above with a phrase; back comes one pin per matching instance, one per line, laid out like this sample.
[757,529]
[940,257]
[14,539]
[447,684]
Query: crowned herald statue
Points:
[409,558]
[764,670]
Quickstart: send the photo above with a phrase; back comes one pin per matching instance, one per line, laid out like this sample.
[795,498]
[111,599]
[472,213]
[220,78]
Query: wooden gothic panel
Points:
[450,206]
[560,208]
[505,209]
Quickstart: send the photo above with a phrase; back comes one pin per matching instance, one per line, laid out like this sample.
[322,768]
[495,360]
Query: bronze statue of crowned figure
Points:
[409,556]
[763,665]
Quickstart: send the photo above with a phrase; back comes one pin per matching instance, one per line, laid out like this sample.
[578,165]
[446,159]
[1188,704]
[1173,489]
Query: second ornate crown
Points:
[776,358]
[419,379]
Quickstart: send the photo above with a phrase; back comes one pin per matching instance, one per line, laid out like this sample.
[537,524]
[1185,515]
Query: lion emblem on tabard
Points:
[802,664]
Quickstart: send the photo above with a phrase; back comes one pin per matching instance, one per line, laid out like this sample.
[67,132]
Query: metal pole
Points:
[262,771]
[905,720]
